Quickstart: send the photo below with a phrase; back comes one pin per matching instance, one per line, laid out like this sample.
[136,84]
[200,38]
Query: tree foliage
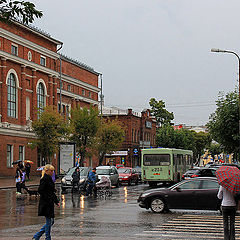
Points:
[182,139]
[84,126]
[215,149]
[224,122]
[161,114]
[109,138]
[50,129]
[18,10]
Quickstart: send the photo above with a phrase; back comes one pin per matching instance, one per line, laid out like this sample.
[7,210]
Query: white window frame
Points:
[23,152]
[10,161]
[83,92]
[45,60]
[15,46]
[17,86]
[69,87]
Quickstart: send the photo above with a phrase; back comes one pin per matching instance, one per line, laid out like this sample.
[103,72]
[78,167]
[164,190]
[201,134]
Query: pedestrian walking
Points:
[48,197]
[28,169]
[229,179]
[75,179]
[228,212]
[91,181]
[18,178]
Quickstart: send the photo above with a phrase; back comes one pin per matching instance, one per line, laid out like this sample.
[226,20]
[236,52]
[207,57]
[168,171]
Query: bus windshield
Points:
[156,160]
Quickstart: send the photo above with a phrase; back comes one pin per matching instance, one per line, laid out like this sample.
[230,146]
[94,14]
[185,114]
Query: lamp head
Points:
[217,50]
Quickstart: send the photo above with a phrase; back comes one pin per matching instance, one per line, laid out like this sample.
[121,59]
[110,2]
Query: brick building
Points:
[140,132]
[30,77]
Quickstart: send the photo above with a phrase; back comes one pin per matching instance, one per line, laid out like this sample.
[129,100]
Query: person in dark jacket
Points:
[75,178]
[48,197]
[18,178]
[28,169]
[91,181]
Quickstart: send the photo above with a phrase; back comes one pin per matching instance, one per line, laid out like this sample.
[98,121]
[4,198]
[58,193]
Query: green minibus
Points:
[164,165]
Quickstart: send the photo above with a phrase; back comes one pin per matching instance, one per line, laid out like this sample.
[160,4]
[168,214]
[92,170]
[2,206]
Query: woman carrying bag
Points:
[46,204]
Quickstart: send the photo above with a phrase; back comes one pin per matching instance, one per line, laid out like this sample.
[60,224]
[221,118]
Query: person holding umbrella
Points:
[229,179]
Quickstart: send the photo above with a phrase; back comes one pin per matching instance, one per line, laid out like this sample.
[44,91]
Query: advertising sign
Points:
[66,157]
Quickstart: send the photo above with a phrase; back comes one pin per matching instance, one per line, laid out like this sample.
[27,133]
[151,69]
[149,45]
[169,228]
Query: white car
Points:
[110,172]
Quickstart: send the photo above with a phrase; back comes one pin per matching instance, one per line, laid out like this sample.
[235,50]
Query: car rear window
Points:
[103,171]
[156,160]
[124,170]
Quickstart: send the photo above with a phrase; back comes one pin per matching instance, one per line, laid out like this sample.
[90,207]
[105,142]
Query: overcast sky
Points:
[152,49]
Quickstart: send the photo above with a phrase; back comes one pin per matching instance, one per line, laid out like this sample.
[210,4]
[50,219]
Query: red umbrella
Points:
[229,178]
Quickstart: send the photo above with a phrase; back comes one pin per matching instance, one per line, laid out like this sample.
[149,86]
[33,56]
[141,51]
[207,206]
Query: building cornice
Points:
[77,97]
[80,83]
[26,43]
[16,132]
[28,63]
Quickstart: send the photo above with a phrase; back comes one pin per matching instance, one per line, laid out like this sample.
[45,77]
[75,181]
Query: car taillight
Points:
[183,176]
[195,175]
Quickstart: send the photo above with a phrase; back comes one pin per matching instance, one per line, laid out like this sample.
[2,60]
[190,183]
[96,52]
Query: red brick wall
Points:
[15,142]
[28,35]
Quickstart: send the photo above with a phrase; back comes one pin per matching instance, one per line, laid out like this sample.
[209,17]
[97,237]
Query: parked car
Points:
[66,182]
[188,174]
[108,171]
[128,175]
[205,172]
[195,193]
[139,171]
[119,165]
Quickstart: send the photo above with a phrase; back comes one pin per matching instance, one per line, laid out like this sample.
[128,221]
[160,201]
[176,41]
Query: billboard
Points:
[66,157]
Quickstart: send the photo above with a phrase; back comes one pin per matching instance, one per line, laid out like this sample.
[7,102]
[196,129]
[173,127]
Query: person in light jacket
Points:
[228,212]
[48,197]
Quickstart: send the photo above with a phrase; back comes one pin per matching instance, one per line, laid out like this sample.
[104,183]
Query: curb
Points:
[33,185]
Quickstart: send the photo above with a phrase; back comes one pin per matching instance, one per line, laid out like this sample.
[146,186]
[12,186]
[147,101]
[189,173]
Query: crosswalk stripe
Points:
[191,226]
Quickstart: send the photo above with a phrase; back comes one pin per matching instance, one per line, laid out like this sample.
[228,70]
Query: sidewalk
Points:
[9,182]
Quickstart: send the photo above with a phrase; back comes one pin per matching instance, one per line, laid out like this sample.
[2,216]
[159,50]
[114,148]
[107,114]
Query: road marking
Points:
[190,227]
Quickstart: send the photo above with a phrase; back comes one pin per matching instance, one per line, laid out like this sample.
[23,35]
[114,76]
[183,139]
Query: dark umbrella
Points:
[16,162]
[229,178]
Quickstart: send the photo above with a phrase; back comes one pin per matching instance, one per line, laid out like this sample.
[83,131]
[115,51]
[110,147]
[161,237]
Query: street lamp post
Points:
[227,51]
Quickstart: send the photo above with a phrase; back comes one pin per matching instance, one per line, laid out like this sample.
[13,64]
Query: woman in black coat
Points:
[48,197]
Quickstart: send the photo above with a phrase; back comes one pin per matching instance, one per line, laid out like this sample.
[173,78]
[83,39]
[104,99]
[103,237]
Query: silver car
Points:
[110,172]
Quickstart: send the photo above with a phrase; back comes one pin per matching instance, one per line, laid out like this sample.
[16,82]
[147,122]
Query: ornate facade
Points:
[31,71]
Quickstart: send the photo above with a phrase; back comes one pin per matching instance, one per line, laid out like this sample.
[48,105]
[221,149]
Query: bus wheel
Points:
[157,205]
[152,184]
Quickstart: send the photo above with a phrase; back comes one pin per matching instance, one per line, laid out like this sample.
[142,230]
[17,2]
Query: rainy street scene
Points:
[114,217]
[119,120]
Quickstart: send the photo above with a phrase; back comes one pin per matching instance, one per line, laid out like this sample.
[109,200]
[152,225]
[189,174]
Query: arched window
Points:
[12,96]
[40,97]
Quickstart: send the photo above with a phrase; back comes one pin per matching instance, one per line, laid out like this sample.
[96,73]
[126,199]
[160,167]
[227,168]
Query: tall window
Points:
[21,153]
[40,97]
[14,49]
[12,96]
[9,155]
[43,61]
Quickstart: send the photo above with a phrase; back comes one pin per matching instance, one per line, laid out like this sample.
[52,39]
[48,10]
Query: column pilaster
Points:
[23,96]
[4,89]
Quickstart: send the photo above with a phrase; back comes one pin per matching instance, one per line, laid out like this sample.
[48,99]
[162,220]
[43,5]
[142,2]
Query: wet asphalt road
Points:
[116,217]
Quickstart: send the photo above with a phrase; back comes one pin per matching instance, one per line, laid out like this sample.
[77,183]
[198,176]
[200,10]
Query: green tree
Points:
[202,142]
[161,114]
[182,139]
[84,126]
[50,129]
[223,124]
[18,10]
[215,149]
[109,138]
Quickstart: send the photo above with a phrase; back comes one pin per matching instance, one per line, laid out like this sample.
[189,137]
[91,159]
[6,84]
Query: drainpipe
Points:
[60,78]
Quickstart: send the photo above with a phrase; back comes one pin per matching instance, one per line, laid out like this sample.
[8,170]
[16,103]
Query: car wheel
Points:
[63,190]
[152,184]
[136,183]
[130,182]
[157,205]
